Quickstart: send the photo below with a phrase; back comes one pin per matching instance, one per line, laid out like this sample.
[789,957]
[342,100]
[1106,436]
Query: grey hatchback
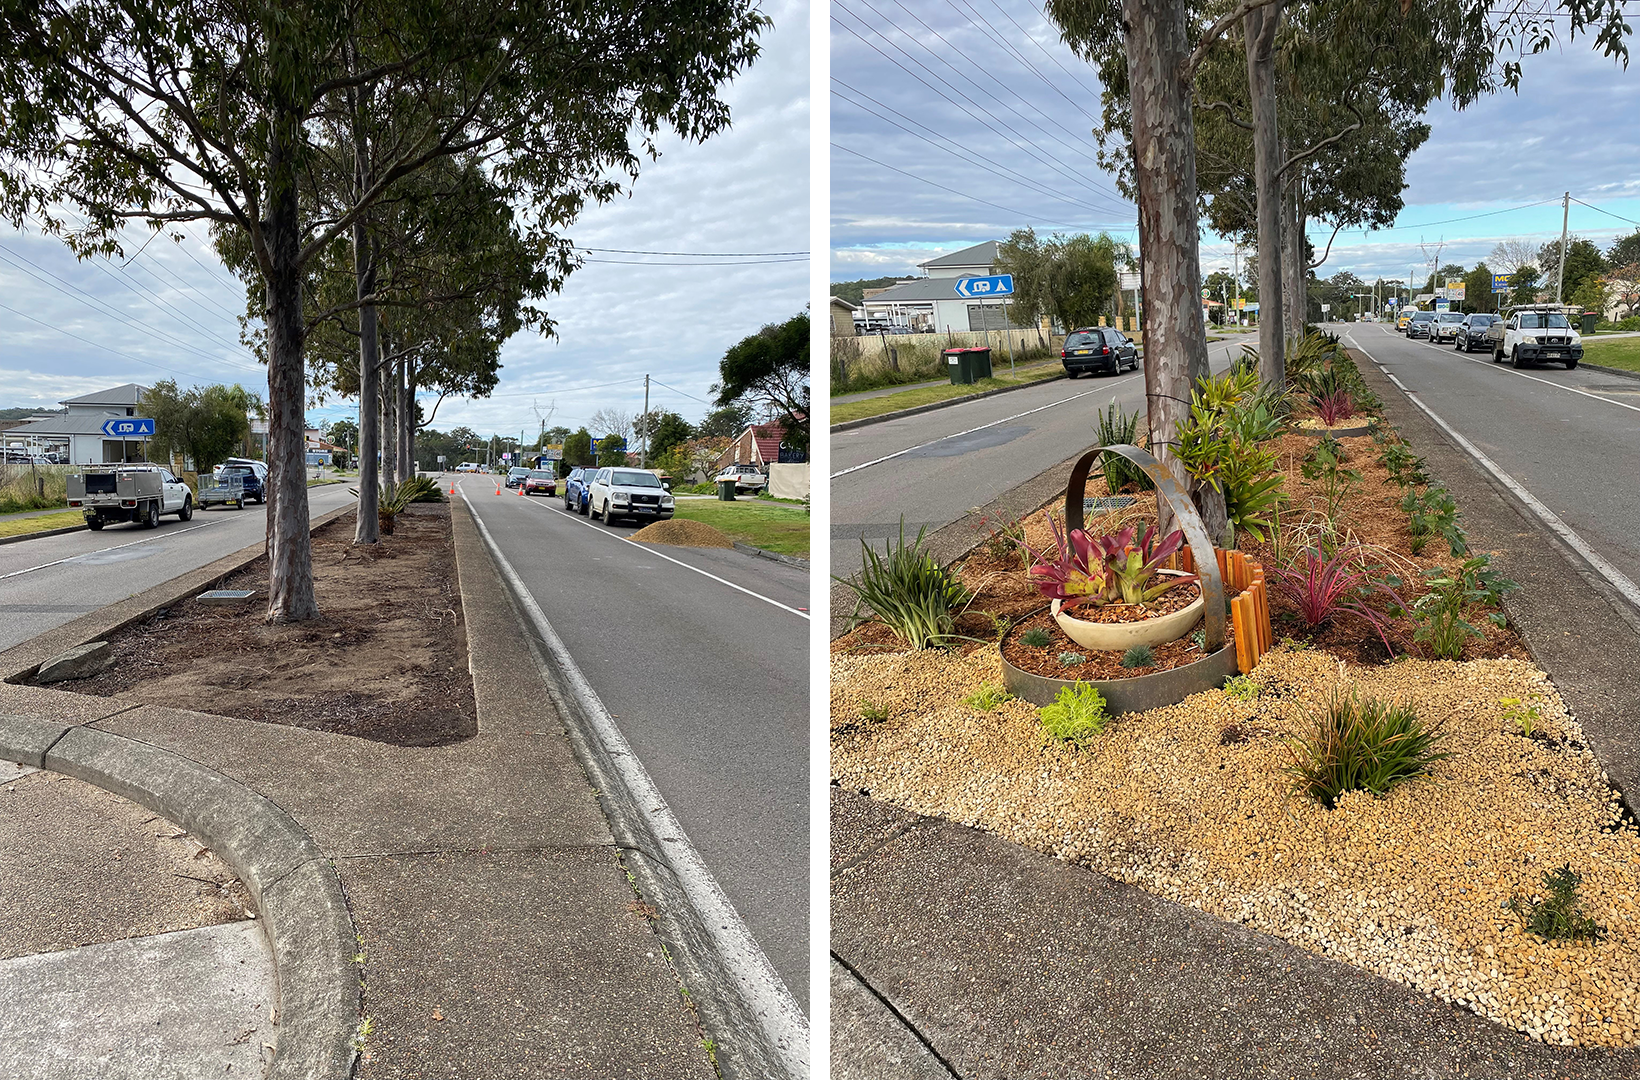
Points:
[1098,348]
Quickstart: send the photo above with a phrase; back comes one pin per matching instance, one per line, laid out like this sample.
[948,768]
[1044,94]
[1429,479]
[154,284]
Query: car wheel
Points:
[591,513]
[1069,374]
[1571,365]
[609,516]
[1497,356]
[150,517]
[187,511]
[1516,360]
[95,524]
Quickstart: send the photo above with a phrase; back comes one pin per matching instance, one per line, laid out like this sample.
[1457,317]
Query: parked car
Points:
[1445,327]
[1405,317]
[1472,334]
[1098,348]
[540,482]
[252,479]
[516,476]
[1534,333]
[746,478]
[1419,325]
[634,493]
[575,488]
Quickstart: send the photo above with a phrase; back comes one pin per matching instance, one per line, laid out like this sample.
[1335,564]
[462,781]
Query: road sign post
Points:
[986,288]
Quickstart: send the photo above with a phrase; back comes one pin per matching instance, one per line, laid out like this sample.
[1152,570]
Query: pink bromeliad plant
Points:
[1115,568]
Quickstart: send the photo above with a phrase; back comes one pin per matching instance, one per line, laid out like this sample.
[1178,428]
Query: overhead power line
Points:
[714,254]
[105,348]
[1608,213]
[740,262]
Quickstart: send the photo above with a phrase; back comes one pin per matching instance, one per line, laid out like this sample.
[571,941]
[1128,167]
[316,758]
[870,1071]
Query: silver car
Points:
[1446,326]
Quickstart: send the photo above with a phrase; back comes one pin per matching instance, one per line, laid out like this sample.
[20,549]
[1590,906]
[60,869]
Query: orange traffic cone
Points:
[452,489]
[520,490]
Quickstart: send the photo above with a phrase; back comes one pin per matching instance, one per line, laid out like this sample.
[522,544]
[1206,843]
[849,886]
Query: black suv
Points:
[1472,333]
[252,481]
[1098,348]
[575,488]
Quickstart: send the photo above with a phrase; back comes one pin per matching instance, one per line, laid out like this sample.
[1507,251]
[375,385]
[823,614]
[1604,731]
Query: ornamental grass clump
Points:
[1138,656]
[1036,638]
[910,592]
[1361,744]
[1077,716]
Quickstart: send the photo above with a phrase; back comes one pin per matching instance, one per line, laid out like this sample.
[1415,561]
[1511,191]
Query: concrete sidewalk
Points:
[497,925]
[958,954]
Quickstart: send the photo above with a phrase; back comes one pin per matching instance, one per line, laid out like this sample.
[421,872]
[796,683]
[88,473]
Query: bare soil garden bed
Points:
[386,659]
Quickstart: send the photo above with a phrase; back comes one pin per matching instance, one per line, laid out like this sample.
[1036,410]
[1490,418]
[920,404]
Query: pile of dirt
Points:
[386,659]
[1191,803]
[682,532]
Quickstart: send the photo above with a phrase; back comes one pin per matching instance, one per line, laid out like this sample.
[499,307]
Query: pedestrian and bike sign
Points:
[136,427]
[982,287]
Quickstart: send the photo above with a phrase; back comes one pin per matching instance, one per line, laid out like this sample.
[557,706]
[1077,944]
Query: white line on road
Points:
[1612,574]
[1492,366]
[757,981]
[649,549]
[99,551]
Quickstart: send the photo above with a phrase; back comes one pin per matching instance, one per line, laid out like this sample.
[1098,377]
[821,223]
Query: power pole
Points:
[1565,216]
[646,423]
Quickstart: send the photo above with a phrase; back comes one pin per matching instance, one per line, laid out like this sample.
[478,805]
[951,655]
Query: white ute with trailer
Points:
[139,493]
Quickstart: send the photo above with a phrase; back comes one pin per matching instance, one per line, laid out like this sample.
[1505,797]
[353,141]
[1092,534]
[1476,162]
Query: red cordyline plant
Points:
[1115,568]
[1325,588]
[1333,406]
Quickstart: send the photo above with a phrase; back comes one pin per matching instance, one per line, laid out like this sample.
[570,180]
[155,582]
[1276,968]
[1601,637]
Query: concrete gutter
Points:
[295,889]
[20,537]
[850,425]
[789,560]
[1624,372]
[21,661]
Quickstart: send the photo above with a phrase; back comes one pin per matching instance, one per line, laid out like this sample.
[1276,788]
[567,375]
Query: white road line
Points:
[756,980]
[1612,574]
[1490,365]
[99,551]
[649,549]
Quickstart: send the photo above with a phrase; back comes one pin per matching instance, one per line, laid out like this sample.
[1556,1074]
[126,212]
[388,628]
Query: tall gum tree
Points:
[205,110]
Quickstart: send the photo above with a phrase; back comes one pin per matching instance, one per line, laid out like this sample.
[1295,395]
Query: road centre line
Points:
[745,961]
[99,551]
[1615,577]
[649,549]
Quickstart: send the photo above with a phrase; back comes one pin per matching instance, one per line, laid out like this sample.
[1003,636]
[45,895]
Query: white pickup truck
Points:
[1534,333]
[139,493]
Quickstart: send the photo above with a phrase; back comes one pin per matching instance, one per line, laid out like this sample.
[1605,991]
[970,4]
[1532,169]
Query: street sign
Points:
[1325,308]
[1443,305]
[552,452]
[507,456]
[1204,294]
[1456,291]
[983,287]
[130,427]
[1500,283]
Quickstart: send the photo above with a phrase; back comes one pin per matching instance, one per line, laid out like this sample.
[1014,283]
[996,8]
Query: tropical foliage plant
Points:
[1326,587]
[1439,613]
[1114,568]
[1116,428]
[1221,445]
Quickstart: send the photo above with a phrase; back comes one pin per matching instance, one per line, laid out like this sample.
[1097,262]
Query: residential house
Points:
[842,317]
[77,435]
[931,303]
[758,445]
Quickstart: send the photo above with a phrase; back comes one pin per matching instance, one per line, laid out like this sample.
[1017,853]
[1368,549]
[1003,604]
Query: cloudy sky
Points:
[69,328]
[957,121]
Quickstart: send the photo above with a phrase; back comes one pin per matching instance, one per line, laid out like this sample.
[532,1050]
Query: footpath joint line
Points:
[1614,577]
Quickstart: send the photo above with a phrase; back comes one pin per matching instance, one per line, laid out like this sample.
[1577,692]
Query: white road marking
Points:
[649,549]
[1612,574]
[1490,365]
[757,982]
[99,551]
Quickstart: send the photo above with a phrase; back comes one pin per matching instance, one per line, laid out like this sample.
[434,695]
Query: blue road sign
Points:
[130,427]
[978,288]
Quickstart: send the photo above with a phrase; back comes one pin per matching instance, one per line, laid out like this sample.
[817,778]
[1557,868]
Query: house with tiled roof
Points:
[758,445]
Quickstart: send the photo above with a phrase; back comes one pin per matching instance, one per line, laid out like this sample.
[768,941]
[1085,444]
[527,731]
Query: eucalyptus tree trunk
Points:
[1259,34]
[1297,263]
[388,400]
[408,424]
[1164,163]
[290,562]
[367,529]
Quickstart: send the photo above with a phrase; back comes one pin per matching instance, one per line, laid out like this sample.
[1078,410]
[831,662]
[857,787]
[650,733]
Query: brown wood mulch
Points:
[386,659]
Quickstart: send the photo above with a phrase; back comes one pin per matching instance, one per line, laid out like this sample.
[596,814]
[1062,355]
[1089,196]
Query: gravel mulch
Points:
[1191,803]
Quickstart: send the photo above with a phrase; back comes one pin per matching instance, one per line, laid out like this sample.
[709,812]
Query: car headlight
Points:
[620,496]
[668,501]
[1528,339]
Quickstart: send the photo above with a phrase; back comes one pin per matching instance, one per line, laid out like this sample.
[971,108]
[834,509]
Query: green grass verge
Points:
[322,483]
[771,526]
[1623,353]
[43,523]
[928,395]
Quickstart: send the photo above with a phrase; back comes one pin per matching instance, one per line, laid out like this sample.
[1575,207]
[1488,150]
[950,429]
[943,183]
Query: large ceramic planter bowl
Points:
[1120,637]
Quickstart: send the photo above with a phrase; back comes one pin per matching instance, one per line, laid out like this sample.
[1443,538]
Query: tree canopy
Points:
[770,369]
[207,423]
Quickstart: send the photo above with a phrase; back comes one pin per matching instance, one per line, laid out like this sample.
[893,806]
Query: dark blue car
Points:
[575,489]
[252,480]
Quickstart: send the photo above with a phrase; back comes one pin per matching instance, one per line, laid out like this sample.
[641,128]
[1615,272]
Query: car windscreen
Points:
[1077,340]
[1423,316]
[633,478]
[540,474]
[1543,320]
[1451,316]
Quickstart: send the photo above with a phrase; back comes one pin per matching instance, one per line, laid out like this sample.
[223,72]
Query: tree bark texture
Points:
[407,465]
[409,425]
[1259,34]
[367,529]
[1296,304]
[1164,143]
[388,400]
[290,564]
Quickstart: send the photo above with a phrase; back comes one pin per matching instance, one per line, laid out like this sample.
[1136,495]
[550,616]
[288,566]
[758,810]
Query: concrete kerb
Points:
[789,560]
[20,662]
[745,1049]
[296,891]
[898,414]
[1624,372]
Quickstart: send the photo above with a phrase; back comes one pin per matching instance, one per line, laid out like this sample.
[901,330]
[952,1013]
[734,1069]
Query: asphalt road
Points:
[51,580]
[709,684]
[1569,438]
[937,466]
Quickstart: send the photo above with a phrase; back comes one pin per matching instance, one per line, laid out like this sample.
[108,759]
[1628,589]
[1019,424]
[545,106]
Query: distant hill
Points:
[852,290]
[24,414]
